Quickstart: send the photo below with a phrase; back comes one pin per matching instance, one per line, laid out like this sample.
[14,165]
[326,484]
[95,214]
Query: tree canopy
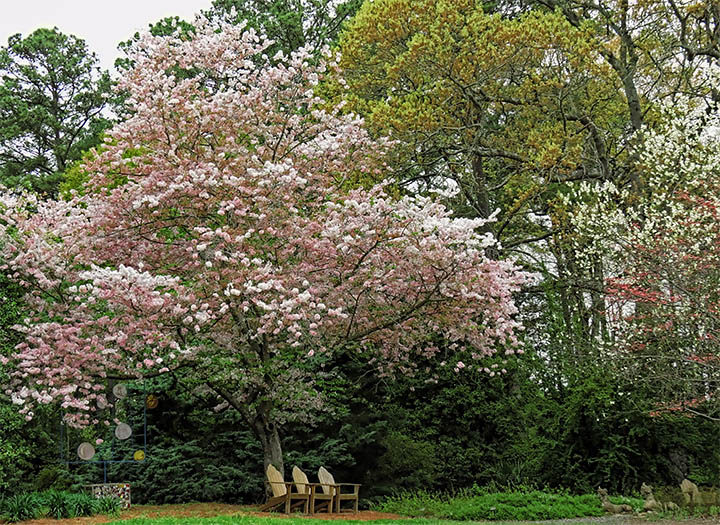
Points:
[291,24]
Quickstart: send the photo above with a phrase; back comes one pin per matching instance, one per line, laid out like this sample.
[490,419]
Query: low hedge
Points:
[477,505]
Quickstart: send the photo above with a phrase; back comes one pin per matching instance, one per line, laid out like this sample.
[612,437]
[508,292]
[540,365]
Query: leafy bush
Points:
[82,505]
[477,504]
[110,506]
[56,504]
[20,507]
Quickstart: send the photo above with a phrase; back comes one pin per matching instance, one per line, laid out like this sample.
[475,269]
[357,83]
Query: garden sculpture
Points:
[690,492]
[611,507]
[651,504]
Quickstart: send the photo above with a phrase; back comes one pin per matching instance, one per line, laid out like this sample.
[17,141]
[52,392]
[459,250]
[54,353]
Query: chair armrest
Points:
[316,488]
[355,486]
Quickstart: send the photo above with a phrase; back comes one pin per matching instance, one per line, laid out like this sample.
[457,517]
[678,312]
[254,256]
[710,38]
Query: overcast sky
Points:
[103,24]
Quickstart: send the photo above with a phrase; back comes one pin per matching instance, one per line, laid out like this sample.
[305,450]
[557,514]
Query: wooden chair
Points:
[319,499]
[283,494]
[327,482]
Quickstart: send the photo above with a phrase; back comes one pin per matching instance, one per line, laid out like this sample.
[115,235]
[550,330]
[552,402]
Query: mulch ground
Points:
[204,510]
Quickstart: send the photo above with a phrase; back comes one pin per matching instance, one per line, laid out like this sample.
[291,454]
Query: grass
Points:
[701,511]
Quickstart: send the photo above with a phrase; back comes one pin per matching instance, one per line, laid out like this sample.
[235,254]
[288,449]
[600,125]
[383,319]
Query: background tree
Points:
[663,245]
[291,24]
[53,99]
[216,235]
[501,107]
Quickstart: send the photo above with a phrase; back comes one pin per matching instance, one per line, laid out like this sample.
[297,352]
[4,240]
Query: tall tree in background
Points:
[509,111]
[52,98]
[291,24]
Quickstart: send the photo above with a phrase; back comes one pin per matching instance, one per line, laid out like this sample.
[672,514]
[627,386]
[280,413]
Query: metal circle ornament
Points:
[151,401]
[123,431]
[139,455]
[101,403]
[86,451]
[120,391]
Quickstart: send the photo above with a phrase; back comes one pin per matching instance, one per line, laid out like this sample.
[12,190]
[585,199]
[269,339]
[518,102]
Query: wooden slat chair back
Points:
[327,479]
[301,481]
[318,499]
[277,483]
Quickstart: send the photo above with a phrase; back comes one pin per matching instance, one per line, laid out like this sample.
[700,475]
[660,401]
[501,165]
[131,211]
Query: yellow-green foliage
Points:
[532,96]
[77,176]
[447,71]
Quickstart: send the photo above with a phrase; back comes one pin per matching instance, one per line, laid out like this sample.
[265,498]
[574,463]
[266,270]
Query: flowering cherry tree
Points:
[217,233]
[662,245]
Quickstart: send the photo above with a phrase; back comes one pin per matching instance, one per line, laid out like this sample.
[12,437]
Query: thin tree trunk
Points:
[262,425]
[267,432]
[482,200]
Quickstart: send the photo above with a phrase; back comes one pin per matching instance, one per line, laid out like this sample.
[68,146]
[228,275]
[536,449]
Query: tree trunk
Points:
[261,423]
[482,200]
[267,432]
